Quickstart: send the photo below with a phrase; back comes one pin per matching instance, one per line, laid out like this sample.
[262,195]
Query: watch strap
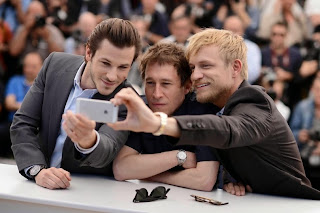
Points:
[163,123]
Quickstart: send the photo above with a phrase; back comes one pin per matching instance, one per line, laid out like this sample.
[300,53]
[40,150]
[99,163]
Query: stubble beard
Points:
[92,76]
[214,95]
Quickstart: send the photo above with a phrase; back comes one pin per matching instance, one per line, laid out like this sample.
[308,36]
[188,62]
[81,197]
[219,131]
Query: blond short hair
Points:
[231,46]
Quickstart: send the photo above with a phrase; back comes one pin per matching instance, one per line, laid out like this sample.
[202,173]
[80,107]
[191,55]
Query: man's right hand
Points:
[53,178]
[139,117]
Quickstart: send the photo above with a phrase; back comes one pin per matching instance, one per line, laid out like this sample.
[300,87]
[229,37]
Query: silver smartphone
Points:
[98,110]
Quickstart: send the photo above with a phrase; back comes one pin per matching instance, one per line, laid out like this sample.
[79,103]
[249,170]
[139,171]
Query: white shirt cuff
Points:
[26,171]
[88,151]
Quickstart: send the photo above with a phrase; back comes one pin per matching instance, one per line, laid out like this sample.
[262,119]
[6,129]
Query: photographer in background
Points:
[13,12]
[275,89]
[311,61]
[75,44]
[283,60]
[305,125]
[305,122]
[35,35]
[63,14]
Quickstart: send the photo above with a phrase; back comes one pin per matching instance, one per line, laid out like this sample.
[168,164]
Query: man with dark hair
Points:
[48,139]
[283,62]
[166,74]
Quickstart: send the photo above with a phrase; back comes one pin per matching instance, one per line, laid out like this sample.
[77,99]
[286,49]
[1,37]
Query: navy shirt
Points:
[147,143]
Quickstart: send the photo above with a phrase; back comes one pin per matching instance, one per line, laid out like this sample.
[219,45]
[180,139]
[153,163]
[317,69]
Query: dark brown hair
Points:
[167,53]
[121,33]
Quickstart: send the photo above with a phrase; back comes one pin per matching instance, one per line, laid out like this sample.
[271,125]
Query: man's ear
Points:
[88,53]
[237,67]
[187,86]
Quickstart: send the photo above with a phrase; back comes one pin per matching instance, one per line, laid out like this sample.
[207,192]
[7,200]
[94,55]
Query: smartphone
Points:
[98,110]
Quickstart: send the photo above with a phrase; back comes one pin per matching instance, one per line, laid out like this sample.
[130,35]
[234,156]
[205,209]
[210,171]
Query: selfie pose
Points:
[166,74]
[48,139]
[253,141]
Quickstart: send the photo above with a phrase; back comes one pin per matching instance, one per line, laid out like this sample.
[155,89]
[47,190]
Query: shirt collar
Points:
[77,78]
[220,112]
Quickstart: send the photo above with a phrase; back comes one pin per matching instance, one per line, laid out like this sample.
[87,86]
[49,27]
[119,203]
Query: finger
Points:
[66,173]
[127,96]
[57,179]
[248,188]
[231,188]
[53,184]
[85,121]
[72,120]
[49,184]
[237,189]
[226,188]
[67,121]
[242,190]
[68,131]
[61,179]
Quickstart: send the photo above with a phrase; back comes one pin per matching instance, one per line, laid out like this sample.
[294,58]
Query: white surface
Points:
[102,194]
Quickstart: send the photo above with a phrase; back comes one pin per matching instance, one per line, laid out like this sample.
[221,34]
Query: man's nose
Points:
[112,74]
[196,74]
[157,93]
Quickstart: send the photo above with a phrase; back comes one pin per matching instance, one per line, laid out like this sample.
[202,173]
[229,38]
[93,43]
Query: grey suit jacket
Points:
[254,143]
[36,124]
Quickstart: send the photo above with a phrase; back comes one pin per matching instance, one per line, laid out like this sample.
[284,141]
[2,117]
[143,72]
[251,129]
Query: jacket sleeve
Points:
[111,141]
[25,127]
[247,120]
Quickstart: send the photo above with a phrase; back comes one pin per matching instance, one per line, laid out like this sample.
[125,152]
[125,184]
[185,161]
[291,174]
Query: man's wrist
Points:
[90,149]
[163,123]
[34,170]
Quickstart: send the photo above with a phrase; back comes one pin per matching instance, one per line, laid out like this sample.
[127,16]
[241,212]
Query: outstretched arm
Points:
[140,118]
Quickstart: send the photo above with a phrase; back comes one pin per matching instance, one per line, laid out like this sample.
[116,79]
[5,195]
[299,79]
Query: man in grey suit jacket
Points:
[48,139]
[253,140]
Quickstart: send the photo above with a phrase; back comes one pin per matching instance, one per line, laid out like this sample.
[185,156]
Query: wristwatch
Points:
[181,157]
[34,171]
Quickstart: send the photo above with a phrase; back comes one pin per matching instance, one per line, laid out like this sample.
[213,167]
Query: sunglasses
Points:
[208,200]
[157,193]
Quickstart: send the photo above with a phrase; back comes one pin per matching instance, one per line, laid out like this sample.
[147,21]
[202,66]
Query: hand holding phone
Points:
[98,110]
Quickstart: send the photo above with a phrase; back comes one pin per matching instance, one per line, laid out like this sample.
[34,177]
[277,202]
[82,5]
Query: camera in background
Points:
[40,22]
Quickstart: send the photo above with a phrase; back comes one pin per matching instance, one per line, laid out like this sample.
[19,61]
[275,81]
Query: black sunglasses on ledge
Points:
[208,200]
[157,193]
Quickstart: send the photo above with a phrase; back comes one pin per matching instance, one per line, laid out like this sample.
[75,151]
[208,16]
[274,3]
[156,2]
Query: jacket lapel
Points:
[61,90]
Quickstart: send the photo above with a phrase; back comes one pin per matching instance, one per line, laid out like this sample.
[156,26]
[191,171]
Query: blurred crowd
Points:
[282,37]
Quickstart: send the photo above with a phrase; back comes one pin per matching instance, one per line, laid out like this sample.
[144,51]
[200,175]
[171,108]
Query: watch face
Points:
[35,170]
[182,155]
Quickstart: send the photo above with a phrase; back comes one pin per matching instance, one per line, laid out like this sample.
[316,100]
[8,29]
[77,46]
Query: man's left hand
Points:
[79,129]
[237,189]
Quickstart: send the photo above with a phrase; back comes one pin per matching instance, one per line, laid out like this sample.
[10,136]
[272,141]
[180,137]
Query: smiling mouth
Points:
[201,86]
[108,83]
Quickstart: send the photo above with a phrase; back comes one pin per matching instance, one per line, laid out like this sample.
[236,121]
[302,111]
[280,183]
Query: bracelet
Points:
[163,123]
